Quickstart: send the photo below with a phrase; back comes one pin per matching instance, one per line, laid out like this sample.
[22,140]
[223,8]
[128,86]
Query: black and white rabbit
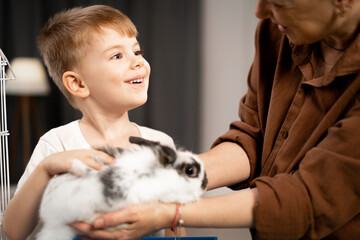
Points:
[144,172]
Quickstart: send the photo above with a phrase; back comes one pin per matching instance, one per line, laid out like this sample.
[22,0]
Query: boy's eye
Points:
[117,56]
[138,52]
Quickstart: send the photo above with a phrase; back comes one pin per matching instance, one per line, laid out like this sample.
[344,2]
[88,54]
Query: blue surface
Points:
[180,238]
[172,238]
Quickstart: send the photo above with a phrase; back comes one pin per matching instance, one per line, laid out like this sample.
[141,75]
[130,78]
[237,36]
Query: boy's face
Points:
[115,71]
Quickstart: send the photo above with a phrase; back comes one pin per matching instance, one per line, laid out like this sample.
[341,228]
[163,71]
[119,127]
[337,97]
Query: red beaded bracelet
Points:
[175,217]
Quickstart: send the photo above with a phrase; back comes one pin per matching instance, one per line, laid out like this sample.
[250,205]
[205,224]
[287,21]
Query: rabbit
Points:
[144,172]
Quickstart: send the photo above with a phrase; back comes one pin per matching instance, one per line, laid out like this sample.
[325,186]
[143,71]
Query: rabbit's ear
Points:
[167,155]
[142,141]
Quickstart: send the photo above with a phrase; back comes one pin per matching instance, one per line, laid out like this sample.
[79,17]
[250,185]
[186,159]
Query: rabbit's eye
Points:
[191,171]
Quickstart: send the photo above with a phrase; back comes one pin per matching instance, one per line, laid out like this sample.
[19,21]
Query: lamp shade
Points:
[31,78]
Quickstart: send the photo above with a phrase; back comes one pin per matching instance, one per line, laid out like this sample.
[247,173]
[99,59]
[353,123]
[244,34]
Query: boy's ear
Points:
[75,85]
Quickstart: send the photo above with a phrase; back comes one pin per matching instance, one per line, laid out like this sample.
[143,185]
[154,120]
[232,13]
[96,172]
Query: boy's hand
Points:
[62,162]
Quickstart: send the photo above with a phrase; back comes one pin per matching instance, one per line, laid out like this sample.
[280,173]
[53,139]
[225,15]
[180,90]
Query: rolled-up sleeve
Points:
[248,131]
[321,196]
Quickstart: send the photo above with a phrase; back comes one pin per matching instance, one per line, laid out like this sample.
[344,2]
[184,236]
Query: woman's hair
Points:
[65,37]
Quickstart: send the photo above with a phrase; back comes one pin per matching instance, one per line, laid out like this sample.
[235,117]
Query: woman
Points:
[297,144]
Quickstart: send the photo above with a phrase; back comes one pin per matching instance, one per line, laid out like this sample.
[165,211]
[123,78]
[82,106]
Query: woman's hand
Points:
[61,162]
[139,220]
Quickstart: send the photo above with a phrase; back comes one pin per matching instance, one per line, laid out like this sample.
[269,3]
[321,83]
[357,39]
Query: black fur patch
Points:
[109,177]
[204,182]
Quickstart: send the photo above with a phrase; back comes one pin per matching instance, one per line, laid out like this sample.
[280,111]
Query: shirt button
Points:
[284,134]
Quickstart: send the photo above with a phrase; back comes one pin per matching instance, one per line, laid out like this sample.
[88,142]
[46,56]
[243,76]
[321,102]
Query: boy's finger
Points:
[106,158]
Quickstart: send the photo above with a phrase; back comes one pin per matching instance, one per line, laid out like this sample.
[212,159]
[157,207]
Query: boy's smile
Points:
[115,71]
[139,80]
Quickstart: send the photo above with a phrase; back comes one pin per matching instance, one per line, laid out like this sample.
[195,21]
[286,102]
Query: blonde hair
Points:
[65,37]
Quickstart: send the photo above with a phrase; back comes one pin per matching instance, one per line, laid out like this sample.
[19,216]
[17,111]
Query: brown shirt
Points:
[302,136]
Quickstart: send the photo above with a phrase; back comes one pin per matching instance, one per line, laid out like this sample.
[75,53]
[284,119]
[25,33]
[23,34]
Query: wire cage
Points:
[4,133]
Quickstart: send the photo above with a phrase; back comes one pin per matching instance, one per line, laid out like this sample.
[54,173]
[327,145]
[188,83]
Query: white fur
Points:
[139,174]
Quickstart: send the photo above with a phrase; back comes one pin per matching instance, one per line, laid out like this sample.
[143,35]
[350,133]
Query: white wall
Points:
[228,48]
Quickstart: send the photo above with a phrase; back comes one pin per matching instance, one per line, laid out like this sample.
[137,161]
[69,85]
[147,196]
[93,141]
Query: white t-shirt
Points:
[70,137]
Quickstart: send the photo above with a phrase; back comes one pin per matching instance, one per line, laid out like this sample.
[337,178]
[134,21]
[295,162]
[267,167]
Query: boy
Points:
[95,60]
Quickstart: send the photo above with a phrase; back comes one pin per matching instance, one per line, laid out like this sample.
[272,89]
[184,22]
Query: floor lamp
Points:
[31,81]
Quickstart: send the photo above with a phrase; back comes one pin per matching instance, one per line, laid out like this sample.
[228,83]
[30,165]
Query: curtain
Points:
[169,34]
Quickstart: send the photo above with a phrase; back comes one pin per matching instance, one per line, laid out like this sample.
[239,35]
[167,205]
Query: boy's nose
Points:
[137,61]
[262,10]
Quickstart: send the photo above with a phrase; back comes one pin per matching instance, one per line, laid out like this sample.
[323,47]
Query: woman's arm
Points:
[21,215]
[225,165]
[230,211]
[233,210]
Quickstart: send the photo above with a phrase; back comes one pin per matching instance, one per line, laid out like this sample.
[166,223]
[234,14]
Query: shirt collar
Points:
[348,64]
